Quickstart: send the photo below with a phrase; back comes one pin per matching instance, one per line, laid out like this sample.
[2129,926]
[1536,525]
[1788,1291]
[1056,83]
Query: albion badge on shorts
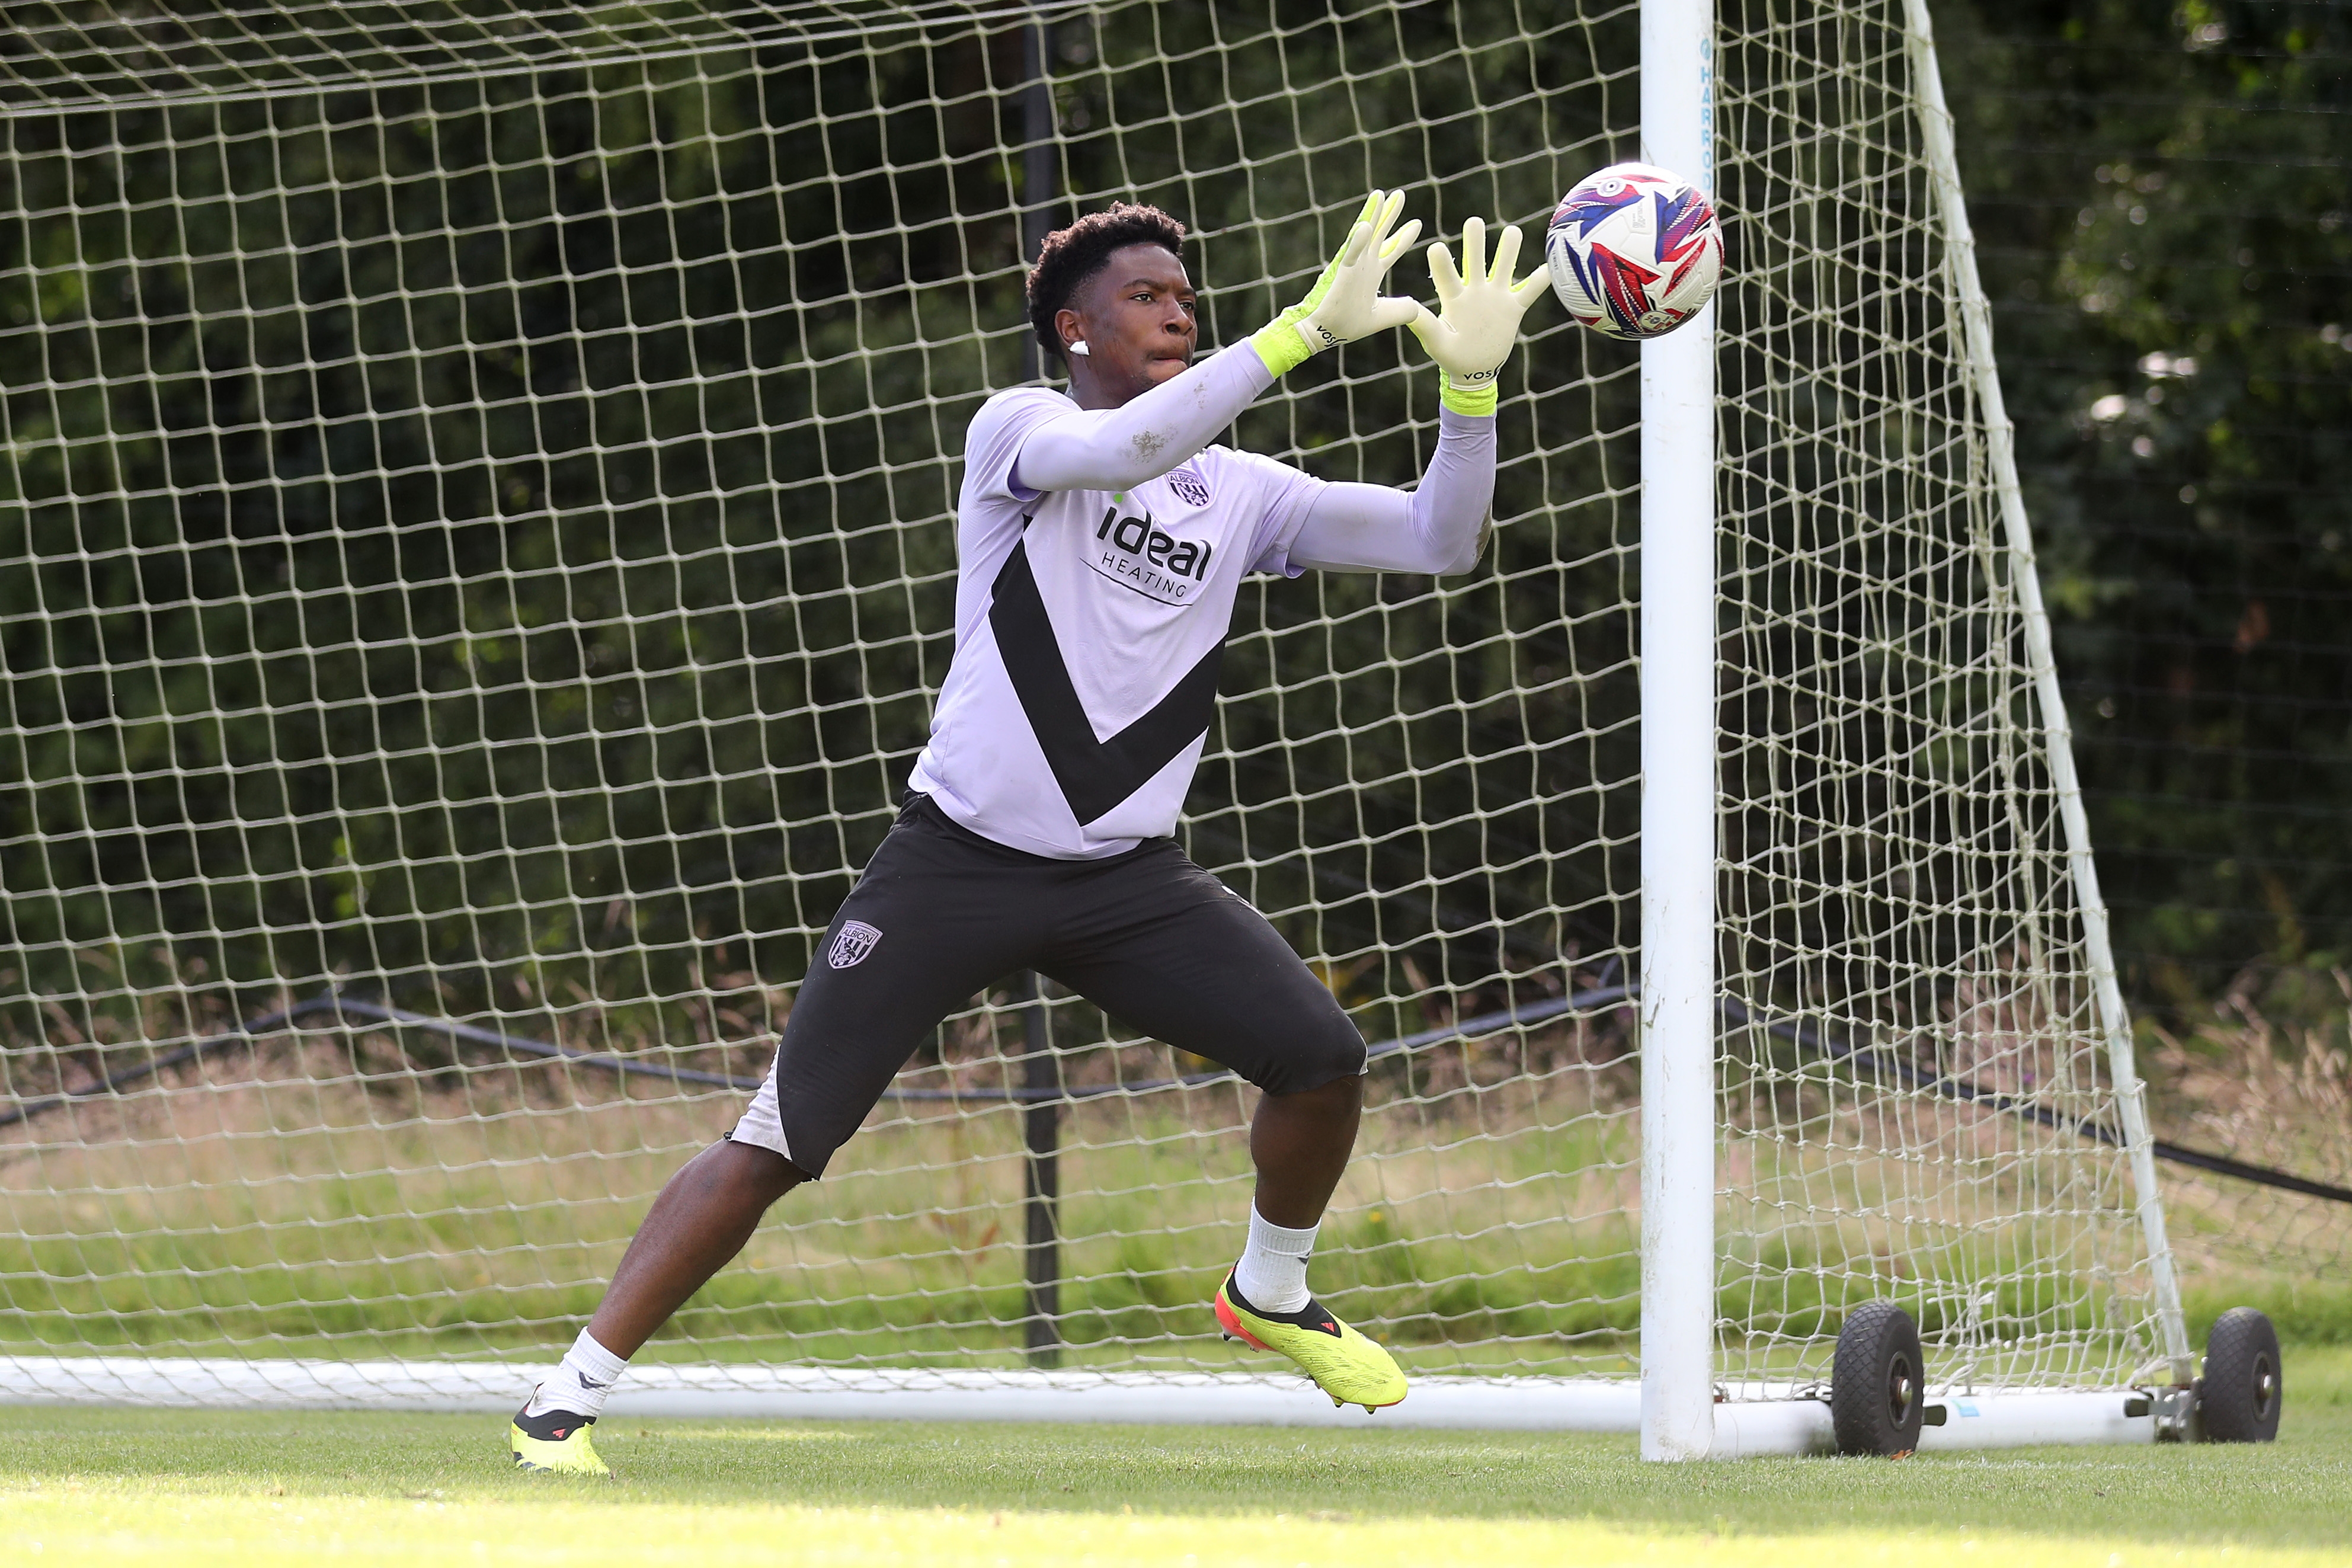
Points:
[853,941]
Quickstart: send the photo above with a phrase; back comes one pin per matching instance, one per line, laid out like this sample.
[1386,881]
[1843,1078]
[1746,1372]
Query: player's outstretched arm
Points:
[1440,525]
[1115,448]
[1118,448]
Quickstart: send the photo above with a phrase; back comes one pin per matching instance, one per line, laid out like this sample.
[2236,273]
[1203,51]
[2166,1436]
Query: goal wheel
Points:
[1878,1393]
[2244,1388]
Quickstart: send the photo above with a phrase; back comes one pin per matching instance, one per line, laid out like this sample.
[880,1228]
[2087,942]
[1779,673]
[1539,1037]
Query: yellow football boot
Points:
[557,1441]
[1344,1364]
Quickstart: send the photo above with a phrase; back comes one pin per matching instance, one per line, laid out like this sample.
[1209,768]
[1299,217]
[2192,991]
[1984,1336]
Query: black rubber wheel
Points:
[2245,1387]
[1878,1395]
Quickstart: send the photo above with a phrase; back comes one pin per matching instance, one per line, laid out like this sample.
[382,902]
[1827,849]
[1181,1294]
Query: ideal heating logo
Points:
[1140,554]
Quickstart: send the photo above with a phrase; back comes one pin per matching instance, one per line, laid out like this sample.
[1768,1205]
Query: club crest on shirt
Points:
[851,943]
[1189,485]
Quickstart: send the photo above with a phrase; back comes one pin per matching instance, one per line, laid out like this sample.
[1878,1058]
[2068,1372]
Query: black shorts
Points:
[941,914]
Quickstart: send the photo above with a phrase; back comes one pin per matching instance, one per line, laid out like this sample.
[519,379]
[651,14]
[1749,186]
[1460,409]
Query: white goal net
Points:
[475,525]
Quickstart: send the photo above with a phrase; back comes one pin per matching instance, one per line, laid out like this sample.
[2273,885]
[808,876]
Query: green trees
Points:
[2164,201]
[493,537]
[492,540]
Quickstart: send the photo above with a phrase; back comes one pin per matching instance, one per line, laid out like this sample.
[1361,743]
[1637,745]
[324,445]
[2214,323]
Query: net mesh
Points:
[477,526]
[1899,911]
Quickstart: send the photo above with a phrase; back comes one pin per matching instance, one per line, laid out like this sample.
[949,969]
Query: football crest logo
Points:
[850,946]
[1189,486]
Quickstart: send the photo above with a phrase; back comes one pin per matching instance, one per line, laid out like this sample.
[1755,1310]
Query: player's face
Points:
[1137,318]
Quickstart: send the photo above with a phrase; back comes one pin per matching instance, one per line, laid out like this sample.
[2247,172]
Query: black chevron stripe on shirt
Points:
[1095,775]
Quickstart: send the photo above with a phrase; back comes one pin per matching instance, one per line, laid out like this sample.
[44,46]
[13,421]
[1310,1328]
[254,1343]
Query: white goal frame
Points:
[1680,1408]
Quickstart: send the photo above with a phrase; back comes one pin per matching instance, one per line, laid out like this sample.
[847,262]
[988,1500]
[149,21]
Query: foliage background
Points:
[2163,202]
[490,538]
[2161,199]
[356,433]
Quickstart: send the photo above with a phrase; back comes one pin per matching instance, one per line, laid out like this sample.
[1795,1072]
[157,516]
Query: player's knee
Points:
[1337,1098]
[1327,1057]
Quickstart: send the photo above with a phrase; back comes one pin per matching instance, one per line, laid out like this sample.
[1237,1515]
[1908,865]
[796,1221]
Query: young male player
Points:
[1102,541]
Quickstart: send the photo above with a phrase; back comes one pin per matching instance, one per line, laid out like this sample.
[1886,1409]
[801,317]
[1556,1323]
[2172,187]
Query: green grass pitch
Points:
[185,1489]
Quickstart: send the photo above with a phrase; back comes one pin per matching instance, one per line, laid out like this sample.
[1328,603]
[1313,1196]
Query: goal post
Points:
[477,503]
[1677,1040]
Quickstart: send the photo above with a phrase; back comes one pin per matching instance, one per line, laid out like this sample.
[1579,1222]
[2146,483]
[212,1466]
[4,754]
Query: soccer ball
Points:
[1634,251]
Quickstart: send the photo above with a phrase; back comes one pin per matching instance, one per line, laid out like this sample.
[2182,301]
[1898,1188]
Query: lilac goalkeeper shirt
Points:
[1089,629]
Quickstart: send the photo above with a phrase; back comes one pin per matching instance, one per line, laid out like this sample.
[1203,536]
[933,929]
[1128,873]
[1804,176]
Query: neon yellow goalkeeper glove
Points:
[1346,303]
[1481,320]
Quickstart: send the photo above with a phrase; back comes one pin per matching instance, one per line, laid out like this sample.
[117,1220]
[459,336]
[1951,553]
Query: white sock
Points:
[1272,1274]
[581,1384]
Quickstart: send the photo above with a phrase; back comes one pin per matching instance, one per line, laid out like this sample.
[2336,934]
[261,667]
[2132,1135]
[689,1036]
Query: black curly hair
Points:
[1071,256]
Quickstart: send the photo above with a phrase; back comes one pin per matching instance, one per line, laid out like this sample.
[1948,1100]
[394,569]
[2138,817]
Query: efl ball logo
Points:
[1634,251]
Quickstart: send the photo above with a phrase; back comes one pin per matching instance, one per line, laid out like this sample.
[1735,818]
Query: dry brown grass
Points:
[2272,1092]
[322,1192]
[282,1197]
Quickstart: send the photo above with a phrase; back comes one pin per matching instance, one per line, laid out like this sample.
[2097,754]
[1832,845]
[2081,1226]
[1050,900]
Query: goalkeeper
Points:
[1102,541]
